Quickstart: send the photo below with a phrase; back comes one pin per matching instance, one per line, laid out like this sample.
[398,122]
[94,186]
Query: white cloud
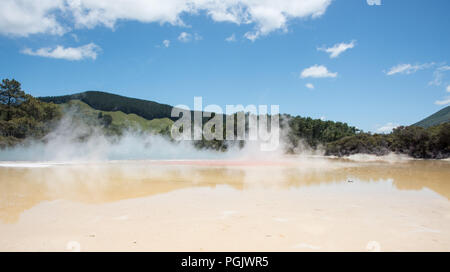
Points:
[187,37]
[317,71]
[197,37]
[184,37]
[337,49]
[88,51]
[309,86]
[438,75]
[166,43]
[408,68]
[323,118]
[232,38]
[273,15]
[387,128]
[25,17]
[75,37]
[374,2]
[443,102]
[252,36]
[448,88]
[22,18]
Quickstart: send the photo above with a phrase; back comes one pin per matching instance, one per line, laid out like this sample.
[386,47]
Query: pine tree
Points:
[11,95]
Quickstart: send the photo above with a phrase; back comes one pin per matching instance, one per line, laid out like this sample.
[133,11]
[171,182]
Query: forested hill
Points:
[429,138]
[313,131]
[112,102]
[23,116]
[440,117]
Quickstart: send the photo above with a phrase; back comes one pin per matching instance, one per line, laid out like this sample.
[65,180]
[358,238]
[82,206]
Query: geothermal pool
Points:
[294,204]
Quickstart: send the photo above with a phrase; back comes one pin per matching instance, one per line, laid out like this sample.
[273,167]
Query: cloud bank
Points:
[25,17]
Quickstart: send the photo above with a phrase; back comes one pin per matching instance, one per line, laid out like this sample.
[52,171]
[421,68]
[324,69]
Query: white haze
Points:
[63,145]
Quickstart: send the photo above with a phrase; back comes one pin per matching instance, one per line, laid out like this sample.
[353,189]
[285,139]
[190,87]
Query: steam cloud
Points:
[74,141]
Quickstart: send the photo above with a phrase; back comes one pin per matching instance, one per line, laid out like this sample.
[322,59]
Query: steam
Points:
[74,140]
[390,158]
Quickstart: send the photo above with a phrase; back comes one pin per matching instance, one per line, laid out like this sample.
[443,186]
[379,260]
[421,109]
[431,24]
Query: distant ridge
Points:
[112,102]
[440,117]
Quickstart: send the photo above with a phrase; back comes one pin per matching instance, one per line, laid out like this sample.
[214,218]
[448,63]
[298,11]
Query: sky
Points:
[374,64]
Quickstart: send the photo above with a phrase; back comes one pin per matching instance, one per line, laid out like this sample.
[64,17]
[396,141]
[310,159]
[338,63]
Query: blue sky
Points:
[372,66]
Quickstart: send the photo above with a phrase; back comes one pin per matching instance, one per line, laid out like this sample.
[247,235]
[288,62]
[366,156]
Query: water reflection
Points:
[21,188]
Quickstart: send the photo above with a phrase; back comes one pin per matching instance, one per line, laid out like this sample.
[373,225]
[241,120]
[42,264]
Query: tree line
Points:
[414,141]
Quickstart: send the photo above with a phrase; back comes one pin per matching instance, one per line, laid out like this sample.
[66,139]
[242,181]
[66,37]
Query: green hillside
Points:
[440,117]
[129,112]
[112,102]
[29,118]
[119,120]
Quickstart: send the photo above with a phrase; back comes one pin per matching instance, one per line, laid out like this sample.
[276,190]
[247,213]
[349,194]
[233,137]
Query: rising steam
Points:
[73,141]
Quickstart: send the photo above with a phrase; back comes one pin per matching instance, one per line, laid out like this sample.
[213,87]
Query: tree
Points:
[22,115]
[11,95]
